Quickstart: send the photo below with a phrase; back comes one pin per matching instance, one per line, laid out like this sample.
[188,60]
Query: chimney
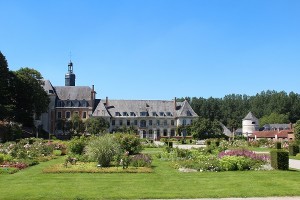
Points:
[291,126]
[93,97]
[175,106]
[106,102]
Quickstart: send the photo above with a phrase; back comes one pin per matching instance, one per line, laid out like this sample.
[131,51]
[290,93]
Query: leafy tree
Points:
[204,128]
[297,131]
[274,118]
[30,97]
[6,106]
[77,125]
[96,125]
[129,142]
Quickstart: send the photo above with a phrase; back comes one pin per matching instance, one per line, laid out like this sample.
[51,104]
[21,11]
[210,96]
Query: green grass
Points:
[165,182]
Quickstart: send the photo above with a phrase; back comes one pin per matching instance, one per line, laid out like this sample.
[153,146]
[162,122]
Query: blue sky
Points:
[157,49]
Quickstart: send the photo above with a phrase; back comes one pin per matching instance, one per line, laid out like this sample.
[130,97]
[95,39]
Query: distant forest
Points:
[231,109]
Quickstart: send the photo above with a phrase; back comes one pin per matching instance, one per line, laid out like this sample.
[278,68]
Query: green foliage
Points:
[30,97]
[293,149]
[278,145]
[274,118]
[141,160]
[96,125]
[77,126]
[102,149]
[233,163]
[129,142]
[205,128]
[77,145]
[280,159]
[57,152]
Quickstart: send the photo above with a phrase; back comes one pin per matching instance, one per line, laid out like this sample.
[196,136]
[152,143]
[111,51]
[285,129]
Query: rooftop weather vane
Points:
[70,65]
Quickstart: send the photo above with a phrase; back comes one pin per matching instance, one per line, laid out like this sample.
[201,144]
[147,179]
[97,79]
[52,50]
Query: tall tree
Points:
[6,106]
[96,125]
[274,118]
[30,97]
[205,128]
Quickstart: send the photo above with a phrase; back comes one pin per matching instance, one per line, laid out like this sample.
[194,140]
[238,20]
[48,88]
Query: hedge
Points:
[280,159]
[293,149]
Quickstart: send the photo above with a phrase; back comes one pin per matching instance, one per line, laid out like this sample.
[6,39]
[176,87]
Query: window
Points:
[143,114]
[154,114]
[125,114]
[150,133]
[135,122]
[76,113]
[69,104]
[150,122]
[161,113]
[169,114]
[142,123]
[117,114]
[121,122]
[165,122]
[188,113]
[132,114]
[113,122]
[68,115]
[253,122]
[165,132]
[184,122]
[172,122]
[128,122]
[84,115]
[51,92]
[157,122]
[157,132]
[172,132]
[59,115]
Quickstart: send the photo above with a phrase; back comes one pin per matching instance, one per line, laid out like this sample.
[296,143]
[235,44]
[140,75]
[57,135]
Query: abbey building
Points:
[150,118]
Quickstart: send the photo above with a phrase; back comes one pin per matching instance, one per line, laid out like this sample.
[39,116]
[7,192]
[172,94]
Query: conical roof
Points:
[250,116]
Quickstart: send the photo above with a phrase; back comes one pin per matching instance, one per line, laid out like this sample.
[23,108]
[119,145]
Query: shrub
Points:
[77,145]
[102,149]
[129,142]
[278,145]
[233,163]
[280,159]
[141,160]
[293,149]
[57,152]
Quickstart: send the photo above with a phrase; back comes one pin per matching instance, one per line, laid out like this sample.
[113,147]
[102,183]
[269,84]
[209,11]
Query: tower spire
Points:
[70,76]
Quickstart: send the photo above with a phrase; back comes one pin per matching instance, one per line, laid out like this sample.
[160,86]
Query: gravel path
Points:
[295,164]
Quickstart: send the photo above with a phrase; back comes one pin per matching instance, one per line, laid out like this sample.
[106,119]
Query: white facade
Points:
[250,124]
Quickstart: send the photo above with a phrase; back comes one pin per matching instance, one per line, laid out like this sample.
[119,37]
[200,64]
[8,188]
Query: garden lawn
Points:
[165,182]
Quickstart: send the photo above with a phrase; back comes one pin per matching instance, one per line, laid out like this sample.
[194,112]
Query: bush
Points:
[293,149]
[278,145]
[129,142]
[57,152]
[141,160]
[280,159]
[233,163]
[77,145]
[102,149]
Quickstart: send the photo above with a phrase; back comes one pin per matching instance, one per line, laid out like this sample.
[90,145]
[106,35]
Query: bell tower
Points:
[70,76]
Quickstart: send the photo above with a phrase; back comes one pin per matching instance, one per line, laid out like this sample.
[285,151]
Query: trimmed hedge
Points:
[278,145]
[293,149]
[280,159]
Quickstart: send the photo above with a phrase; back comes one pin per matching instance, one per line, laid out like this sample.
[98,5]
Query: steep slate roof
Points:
[226,131]
[48,87]
[73,92]
[276,126]
[250,116]
[149,106]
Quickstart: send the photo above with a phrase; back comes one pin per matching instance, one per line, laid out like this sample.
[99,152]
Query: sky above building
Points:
[157,49]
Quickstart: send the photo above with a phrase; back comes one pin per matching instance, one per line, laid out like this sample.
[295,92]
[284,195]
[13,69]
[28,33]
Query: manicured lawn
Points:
[164,182]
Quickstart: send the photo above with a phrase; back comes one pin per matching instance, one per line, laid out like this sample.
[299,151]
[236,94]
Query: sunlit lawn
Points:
[164,182]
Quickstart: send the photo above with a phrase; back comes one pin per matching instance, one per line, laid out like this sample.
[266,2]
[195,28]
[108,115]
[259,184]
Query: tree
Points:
[6,107]
[30,97]
[96,125]
[204,128]
[274,118]
[77,125]
[297,131]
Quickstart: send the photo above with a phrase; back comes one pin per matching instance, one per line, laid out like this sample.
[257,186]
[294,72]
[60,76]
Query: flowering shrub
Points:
[245,153]
[141,160]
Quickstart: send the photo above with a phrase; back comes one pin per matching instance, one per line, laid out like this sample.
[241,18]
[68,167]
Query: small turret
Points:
[70,76]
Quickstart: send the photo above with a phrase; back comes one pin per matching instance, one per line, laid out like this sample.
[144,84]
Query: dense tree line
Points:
[231,109]
[21,94]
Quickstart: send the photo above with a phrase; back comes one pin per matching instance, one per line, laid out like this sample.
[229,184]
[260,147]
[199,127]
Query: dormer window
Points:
[154,114]
[161,113]
[125,114]
[169,114]
[132,114]
[143,114]
[51,92]
[118,114]
[188,113]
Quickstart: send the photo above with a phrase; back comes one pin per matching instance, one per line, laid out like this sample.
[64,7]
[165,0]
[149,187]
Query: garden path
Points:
[295,164]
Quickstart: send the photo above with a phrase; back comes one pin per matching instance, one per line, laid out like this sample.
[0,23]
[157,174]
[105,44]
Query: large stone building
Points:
[150,118]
